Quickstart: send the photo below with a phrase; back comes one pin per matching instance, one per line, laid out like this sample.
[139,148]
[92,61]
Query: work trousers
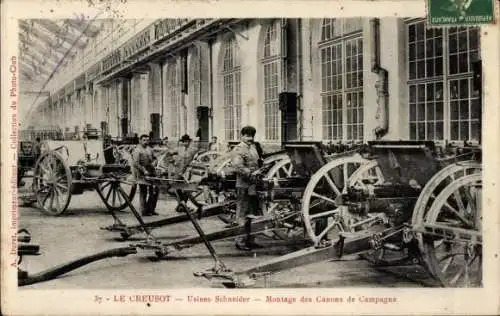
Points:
[148,196]
[248,205]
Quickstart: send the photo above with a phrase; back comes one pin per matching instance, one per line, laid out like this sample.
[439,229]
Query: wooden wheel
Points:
[452,237]
[208,157]
[52,183]
[368,173]
[281,169]
[320,211]
[109,193]
[220,165]
[274,158]
[435,185]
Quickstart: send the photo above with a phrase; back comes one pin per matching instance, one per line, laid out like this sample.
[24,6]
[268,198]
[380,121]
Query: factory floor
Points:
[77,233]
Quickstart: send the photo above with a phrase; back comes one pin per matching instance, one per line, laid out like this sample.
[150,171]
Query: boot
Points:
[250,240]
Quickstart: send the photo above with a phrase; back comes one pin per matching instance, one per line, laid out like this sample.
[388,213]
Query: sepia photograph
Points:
[250,153]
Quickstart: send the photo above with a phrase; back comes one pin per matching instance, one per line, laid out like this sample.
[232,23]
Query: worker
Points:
[245,161]
[185,153]
[214,145]
[37,148]
[143,160]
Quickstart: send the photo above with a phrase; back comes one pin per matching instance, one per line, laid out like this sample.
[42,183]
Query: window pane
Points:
[430,130]
[464,110]
[413,113]
[475,130]
[421,69]
[413,131]
[411,33]
[439,130]
[454,110]
[439,110]
[454,130]
[464,131]
[413,70]
[421,131]
[453,64]
[475,109]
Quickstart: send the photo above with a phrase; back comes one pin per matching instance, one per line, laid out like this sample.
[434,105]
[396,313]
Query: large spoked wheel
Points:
[109,193]
[368,173]
[281,169]
[208,157]
[320,210]
[453,238]
[52,183]
[272,159]
[435,185]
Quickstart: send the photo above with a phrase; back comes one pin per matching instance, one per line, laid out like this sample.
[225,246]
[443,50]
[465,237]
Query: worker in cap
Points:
[245,161]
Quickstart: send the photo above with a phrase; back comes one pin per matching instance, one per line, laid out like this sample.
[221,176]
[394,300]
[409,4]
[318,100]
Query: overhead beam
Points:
[89,29]
[45,38]
[35,44]
[50,61]
[60,32]
[26,74]
[35,64]
[35,72]
[39,58]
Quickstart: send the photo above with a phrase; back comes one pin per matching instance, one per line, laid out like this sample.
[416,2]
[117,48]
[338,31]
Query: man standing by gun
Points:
[143,159]
[245,161]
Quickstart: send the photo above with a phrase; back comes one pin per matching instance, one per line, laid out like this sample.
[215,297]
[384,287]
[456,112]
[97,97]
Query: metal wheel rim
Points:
[308,193]
[428,196]
[211,155]
[108,192]
[273,158]
[52,176]
[281,165]
[431,244]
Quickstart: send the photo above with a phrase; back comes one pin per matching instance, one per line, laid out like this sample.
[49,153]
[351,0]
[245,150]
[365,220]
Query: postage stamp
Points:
[460,12]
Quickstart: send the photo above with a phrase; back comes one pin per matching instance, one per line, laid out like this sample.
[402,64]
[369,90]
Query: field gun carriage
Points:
[278,220]
[72,167]
[207,188]
[393,202]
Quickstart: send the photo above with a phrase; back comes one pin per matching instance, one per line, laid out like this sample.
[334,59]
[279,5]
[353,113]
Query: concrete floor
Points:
[77,233]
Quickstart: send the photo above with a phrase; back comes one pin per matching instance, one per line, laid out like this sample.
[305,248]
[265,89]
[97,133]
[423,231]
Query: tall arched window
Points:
[173,99]
[231,75]
[271,63]
[442,100]
[341,55]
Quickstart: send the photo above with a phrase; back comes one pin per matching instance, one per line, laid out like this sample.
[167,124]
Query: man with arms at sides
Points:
[245,161]
[143,160]
[214,145]
[185,154]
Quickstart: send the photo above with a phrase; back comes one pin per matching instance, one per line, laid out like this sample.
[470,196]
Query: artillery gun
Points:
[281,211]
[67,168]
[400,202]
[206,188]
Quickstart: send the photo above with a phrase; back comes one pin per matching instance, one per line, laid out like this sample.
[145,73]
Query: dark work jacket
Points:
[260,152]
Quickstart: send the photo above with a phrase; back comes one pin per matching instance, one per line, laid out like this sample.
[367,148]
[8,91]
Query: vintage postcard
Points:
[250,157]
